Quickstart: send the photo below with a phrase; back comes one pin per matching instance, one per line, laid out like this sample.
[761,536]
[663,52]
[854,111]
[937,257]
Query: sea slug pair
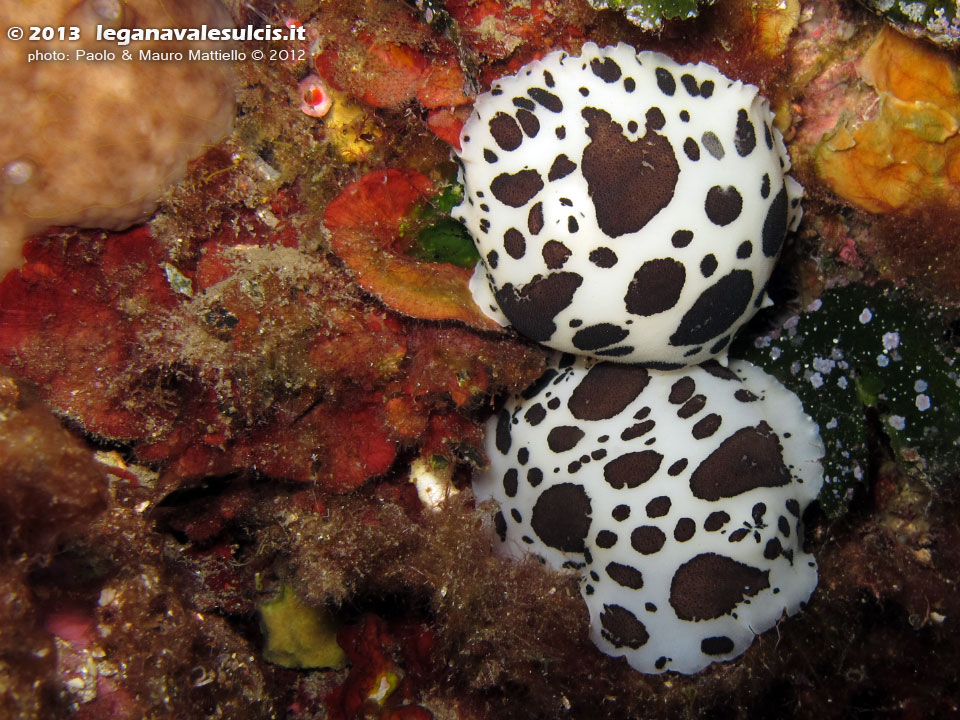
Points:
[628,211]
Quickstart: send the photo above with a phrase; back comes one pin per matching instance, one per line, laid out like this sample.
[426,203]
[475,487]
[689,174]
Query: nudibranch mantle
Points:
[677,495]
[626,181]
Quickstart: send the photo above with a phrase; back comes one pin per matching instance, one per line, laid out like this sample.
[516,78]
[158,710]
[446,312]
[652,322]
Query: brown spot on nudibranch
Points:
[561,167]
[510,482]
[775,224]
[681,390]
[750,458]
[665,81]
[606,390]
[621,628]
[746,138]
[710,585]
[705,427]
[717,308]
[516,189]
[723,204]
[535,219]
[656,287]
[555,254]
[505,131]
[719,645]
[629,181]
[625,575]
[528,121]
[598,336]
[632,469]
[685,529]
[606,69]
[531,309]
[563,438]
[502,436]
[603,257]
[546,98]
[647,539]
[658,507]
[561,517]
[514,243]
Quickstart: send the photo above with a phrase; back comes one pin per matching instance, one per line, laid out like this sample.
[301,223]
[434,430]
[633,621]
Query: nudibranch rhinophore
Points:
[678,496]
[626,181]
[629,211]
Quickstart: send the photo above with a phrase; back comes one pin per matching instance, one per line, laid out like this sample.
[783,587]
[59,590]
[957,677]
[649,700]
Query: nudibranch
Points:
[628,211]
[677,495]
[626,181]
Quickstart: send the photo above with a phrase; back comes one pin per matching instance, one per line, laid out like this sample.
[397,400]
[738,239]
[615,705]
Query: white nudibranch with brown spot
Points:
[677,495]
[626,181]
[629,210]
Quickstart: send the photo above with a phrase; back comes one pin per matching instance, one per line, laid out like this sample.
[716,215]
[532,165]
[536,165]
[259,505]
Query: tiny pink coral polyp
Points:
[315,99]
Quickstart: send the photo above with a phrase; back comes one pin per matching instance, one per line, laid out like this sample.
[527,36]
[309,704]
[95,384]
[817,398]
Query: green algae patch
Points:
[440,238]
[446,241]
[873,367]
[298,635]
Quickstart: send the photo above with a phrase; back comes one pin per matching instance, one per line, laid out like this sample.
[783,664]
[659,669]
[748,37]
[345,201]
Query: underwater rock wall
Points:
[252,376]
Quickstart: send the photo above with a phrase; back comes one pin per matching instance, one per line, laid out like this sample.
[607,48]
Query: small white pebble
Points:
[842,383]
[75,684]
[267,216]
[434,485]
[866,316]
[775,353]
[18,172]
[379,693]
[794,367]
[178,281]
[265,169]
[815,305]
[816,380]
[832,423]
[891,340]
[883,360]
[107,9]
[897,422]
[857,472]
[923,402]
[920,386]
